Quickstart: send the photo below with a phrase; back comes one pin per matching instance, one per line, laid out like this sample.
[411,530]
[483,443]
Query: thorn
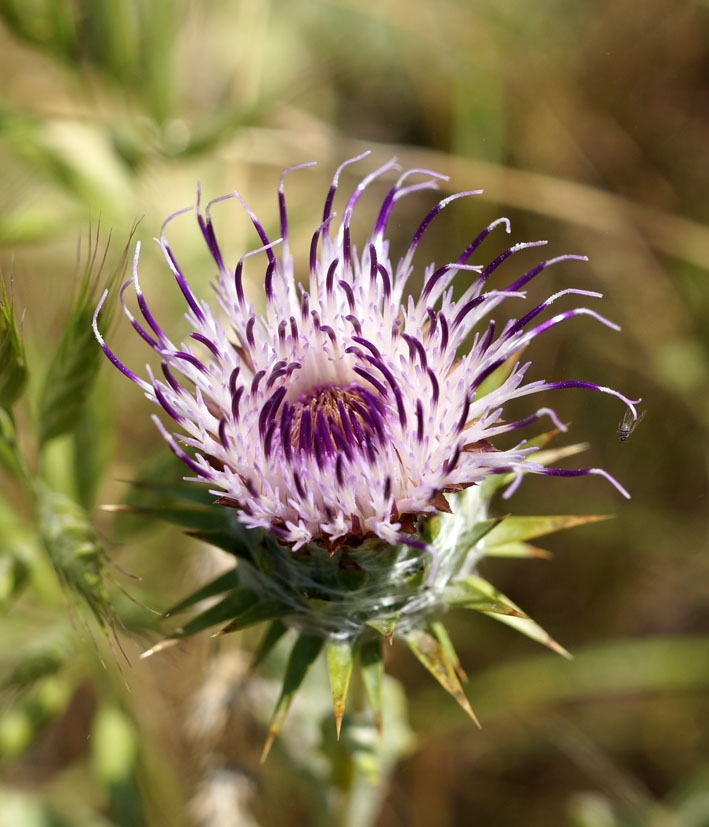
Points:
[159,647]
[267,746]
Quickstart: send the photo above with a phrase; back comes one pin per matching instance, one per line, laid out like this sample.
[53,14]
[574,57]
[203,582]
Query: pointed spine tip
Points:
[270,738]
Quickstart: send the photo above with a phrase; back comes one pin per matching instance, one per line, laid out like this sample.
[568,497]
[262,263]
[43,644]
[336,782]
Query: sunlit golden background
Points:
[586,123]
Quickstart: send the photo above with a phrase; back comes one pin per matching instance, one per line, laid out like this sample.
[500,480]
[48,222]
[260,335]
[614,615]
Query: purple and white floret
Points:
[349,407]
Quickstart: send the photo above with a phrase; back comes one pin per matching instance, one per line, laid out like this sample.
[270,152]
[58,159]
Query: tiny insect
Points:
[629,424]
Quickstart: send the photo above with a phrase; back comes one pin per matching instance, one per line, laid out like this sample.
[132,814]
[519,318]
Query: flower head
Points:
[348,408]
[347,428]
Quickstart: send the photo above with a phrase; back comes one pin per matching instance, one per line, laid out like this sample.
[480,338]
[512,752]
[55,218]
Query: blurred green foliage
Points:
[587,123]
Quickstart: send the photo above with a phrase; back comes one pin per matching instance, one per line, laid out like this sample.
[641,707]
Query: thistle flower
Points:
[348,426]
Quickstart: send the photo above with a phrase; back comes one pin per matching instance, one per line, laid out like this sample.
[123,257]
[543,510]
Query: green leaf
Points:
[13,362]
[520,550]
[257,613]
[385,626]
[476,532]
[302,656]
[371,664]
[340,658]
[201,520]
[432,655]
[442,636]
[232,605]
[473,592]
[519,529]
[272,635]
[521,623]
[225,582]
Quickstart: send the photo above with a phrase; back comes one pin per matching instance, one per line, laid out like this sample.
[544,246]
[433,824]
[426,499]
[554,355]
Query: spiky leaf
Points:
[474,593]
[521,550]
[428,649]
[519,529]
[257,613]
[304,652]
[340,658]
[224,582]
[385,625]
[521,622]
[442,636]
[272,635]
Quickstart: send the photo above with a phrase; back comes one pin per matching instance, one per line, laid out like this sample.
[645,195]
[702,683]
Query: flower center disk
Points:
[330,420]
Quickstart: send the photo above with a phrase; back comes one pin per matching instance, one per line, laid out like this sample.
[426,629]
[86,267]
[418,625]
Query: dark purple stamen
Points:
[174,384]
[268,280]
[268,439]
[238,282]
[236,398]
[450,463]
[222,434]
[184,287]
[464,414]
[270,408]
[330,333]
[419,420]
[256,380]
[165,404]
[209,236]
[250,332]
[372,263]
[329,281]
[365,374]
[369,345]
[387,487]
[385,211]
[147,315]
[482,376]
[354,321]
[434,385]
[193,360]
[467,307]
[233,376]
[286,420]
[305,436]
[430,284]
[208,343]
[487,337]
[416,347]
[344,418]
[348,292]
[381,269]
[444,331]
[298,484]
[347,250]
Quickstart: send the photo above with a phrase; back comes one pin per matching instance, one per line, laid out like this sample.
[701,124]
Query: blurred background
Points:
[587,124]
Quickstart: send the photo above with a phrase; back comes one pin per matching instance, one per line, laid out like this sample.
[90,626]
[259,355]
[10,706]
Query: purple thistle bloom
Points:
[349,407]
